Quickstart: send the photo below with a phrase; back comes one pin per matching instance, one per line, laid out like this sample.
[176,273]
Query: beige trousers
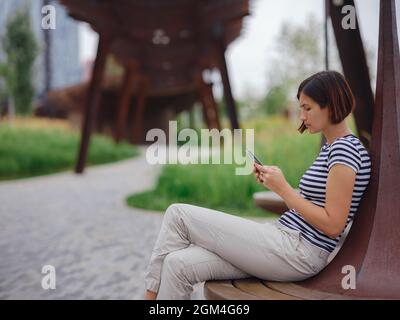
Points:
[196,244]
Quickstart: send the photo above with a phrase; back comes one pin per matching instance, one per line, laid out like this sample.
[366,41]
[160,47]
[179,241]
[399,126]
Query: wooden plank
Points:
[256,287]
[295,290]
[224,290]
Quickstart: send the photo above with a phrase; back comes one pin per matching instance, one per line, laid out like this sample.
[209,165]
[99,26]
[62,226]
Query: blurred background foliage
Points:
[21,48]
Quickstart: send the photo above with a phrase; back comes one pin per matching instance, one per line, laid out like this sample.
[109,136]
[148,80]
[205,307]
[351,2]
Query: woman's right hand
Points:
[257,174]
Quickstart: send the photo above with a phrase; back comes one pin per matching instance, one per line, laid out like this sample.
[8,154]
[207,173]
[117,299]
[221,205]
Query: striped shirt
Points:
[347,150]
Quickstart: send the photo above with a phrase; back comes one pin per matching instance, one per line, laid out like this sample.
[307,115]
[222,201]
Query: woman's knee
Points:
[173,209]
[175,266]
[175,212]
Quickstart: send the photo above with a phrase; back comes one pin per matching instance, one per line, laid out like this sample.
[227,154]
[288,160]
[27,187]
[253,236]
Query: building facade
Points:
[63,55]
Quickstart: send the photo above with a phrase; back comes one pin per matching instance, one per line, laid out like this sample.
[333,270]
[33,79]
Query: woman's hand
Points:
[271,177]
[257,174]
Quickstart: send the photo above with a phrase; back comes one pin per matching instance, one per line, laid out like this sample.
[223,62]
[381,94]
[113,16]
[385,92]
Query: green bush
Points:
[216,186]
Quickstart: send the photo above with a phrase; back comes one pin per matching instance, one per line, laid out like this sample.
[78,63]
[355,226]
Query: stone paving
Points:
[81,225]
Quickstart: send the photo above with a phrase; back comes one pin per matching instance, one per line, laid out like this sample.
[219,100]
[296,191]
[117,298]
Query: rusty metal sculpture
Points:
[373,244]
[355,68]
[164,47]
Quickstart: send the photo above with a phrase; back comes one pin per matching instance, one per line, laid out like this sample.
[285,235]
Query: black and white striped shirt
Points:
[347,150]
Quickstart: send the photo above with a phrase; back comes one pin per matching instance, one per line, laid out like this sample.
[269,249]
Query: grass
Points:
[277,142]
[32,147]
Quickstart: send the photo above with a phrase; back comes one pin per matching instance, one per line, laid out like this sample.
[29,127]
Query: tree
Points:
[21,49]
[275,100]
[298,55]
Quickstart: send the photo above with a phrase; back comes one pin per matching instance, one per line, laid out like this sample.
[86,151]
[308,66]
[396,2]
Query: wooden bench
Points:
[269,201]
[256,289]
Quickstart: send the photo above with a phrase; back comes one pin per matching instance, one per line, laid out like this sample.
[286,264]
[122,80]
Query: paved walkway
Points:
[81,225]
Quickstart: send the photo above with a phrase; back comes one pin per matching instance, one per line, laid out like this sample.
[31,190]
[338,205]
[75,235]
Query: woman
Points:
[197,244]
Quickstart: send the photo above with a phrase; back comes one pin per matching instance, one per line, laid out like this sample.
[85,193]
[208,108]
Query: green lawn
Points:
[28,149]
[277,142]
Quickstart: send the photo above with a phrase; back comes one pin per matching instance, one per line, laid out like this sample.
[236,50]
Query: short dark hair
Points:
[329,89]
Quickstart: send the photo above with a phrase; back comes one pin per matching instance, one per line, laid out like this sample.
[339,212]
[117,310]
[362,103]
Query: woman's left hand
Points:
[272,178]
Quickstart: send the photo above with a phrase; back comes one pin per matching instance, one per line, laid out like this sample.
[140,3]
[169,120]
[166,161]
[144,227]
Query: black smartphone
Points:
[253,157]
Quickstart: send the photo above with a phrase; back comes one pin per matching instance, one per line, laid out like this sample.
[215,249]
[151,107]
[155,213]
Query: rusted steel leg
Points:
[355,69]
[229,100]
[379,276]
[326,33]
[220,52]
[210,110]
[92,100]
[192,124]
[139,111]
[124,103]
[326,13]
[202,99]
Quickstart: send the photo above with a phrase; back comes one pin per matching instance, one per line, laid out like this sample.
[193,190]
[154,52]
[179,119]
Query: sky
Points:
[249,55]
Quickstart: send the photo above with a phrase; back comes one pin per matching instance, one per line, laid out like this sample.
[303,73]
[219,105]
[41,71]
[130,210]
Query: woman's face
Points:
[315,118]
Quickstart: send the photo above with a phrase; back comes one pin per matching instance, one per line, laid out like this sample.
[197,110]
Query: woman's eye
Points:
[308,109]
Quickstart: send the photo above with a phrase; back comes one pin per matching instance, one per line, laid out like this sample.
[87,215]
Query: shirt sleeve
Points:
[344,152]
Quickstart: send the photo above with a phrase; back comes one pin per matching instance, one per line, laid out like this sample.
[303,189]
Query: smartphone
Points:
[253,157]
